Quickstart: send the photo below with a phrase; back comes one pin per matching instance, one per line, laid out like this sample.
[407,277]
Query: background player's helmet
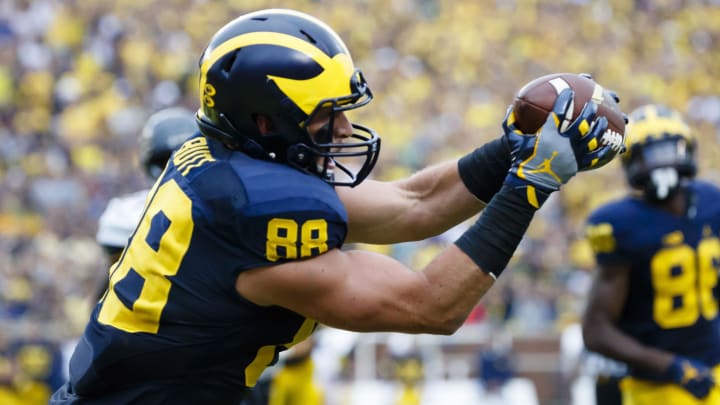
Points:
[164,132]
[285,65]
[661,151]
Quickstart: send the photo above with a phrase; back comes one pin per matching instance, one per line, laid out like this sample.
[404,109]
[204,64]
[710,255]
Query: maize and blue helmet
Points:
[287,66]
[661,151]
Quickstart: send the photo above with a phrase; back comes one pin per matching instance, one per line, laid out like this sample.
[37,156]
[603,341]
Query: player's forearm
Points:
[464,284]
[479,255]
[436,300]
[468,268]
[420,206]
[437,201]
[448,191]
[430,201]
[452,192]
[613,343]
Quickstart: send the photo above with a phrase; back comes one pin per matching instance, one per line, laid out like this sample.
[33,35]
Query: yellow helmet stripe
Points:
[643,131]
[332,82]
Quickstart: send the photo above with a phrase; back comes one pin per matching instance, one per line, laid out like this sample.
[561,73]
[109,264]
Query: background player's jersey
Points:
[172,328]
[672,301]
[120,218]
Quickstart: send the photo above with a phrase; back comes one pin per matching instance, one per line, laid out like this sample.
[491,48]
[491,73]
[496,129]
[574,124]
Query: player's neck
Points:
[676,204]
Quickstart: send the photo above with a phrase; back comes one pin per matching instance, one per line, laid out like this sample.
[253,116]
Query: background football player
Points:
[294,383]
[164,131]
[654,301]
[238,256]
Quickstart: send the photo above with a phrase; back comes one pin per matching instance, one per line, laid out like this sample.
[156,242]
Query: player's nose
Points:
[342,128]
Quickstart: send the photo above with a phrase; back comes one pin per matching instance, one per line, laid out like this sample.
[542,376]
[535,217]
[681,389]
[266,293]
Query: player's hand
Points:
[692,375]
[618,147]
[551,157]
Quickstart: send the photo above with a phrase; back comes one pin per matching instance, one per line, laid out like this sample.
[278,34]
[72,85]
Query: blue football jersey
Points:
[672,301]
[171,328]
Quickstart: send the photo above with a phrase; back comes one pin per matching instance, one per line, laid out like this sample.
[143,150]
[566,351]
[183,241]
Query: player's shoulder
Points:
[273,187]
[274,190]
[705,189]
[611,223]
[275,212]
[233,181]
[706,197]
[615,211]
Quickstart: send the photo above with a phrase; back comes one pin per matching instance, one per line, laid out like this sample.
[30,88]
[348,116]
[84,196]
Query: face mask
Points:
[664,182]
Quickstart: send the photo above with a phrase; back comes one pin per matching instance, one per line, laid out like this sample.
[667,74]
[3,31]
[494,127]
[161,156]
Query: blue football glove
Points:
[692,375]
[548,159]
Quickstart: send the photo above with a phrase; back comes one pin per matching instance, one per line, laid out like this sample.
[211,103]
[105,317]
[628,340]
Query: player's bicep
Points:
[370,216]
[352,289]
[608,293]
[610,285]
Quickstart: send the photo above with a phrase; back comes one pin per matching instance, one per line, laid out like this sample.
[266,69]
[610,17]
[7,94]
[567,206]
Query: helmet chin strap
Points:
[664,182]
[328,173]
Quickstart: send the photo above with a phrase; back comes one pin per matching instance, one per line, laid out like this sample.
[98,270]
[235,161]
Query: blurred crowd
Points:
[79,77]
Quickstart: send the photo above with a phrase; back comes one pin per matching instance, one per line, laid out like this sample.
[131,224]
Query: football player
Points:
[238,255]
[654,301]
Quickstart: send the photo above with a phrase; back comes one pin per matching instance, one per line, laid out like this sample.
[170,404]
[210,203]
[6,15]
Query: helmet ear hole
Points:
[227,65]
[300,154]
[264,123]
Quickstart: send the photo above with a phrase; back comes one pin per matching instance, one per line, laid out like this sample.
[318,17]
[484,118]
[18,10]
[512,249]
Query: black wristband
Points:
[491,241]
[484,169]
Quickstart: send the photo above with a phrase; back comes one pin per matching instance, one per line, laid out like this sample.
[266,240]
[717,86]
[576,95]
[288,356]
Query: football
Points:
[534,101]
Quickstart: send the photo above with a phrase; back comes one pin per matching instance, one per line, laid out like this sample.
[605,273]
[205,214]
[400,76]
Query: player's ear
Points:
[264,123]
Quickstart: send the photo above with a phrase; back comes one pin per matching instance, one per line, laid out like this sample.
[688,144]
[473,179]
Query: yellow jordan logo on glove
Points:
[544,167]
[689,372]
